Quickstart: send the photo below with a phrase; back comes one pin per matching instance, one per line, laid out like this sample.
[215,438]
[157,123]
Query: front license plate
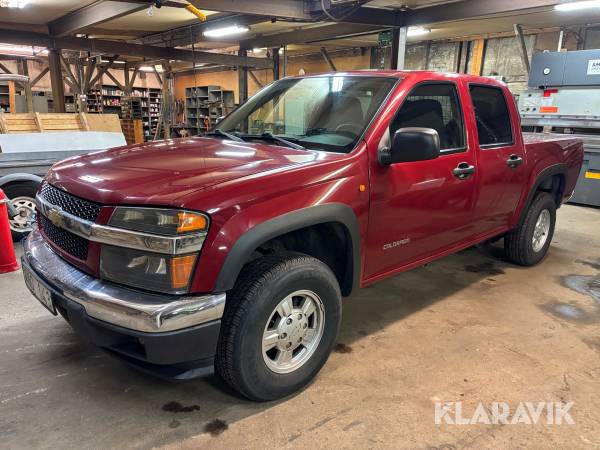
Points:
[39,291]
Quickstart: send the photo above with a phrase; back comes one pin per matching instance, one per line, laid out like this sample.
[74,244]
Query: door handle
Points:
[463,171]
[514,161]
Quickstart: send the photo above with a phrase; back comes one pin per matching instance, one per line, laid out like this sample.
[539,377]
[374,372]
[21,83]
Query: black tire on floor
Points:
[261,286]
[20,189]
[518,244]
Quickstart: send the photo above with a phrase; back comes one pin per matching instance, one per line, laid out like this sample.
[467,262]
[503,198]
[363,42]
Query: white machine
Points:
[564,97]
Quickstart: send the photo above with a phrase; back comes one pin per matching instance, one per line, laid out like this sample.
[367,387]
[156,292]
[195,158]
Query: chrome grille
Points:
[69,203]
[71,243]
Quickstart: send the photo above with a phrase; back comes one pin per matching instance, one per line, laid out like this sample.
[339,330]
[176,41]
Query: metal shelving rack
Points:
[204,105]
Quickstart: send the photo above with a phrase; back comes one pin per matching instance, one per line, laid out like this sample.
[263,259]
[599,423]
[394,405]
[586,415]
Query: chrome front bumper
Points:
[121,306]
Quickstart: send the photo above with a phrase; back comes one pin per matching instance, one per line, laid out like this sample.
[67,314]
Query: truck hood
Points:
[159,173]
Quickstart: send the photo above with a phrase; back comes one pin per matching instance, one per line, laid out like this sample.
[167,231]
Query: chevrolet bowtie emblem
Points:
[55,216]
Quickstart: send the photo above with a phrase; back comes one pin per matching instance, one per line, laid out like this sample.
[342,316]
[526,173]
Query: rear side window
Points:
[434,106]
[492,116]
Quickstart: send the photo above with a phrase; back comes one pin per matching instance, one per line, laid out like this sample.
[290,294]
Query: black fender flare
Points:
[19,177]
[548,172]
[242,250]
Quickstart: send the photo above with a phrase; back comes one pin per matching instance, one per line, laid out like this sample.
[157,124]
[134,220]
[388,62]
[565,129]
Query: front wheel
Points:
[528,244]
[22,198]
[280,325]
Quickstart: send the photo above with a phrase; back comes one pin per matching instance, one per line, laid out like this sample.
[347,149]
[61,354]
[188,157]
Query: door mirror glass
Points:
[411,145]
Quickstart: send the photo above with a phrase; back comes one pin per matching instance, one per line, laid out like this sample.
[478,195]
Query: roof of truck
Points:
[419,75]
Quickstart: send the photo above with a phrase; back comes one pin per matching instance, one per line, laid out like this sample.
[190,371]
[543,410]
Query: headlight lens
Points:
[149,271]
[159,221]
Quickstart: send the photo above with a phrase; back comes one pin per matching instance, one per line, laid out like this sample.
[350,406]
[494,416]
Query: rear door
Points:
[502,172]
[422,208]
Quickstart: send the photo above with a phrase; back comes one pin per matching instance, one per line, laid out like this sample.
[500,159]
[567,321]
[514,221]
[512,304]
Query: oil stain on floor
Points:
[176,407]
[216,427]
[487,268]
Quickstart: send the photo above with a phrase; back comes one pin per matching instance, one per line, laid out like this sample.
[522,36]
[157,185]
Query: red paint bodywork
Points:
[241,185]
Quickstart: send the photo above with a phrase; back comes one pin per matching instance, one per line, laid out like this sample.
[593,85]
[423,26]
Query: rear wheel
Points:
[280,325]
[22,198]
[528,244]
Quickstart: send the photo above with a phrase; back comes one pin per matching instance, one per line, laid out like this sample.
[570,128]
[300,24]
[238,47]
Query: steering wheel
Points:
[351,130]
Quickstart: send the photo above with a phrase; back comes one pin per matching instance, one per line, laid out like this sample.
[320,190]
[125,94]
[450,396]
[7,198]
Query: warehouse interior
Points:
[470,328]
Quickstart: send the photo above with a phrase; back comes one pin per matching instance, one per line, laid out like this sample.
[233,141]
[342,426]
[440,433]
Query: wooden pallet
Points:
[53,122]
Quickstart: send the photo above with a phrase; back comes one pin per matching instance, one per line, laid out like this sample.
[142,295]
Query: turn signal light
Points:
[181,269]
[191,222]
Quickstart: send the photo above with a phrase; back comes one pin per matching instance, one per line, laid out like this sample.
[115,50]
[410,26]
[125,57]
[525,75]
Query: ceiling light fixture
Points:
[577,6]
[22,50]
[226,31]
[151,69]
[417,31]
[13,3]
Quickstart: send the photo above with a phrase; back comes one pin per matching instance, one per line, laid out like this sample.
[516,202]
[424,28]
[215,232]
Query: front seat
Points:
[337,110]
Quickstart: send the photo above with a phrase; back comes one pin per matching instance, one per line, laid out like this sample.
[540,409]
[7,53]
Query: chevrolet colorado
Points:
[233,250]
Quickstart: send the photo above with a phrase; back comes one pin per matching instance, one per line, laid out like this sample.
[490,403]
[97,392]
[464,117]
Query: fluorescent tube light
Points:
[417,31]
[14,3]
[577,6]
[226,31]
[150,68]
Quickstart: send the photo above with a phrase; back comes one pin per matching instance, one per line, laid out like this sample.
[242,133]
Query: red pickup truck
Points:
[233,250]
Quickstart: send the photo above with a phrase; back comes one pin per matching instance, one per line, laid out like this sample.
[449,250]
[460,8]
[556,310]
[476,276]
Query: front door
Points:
[418,209]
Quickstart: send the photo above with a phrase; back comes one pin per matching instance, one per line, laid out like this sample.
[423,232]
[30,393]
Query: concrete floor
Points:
[468,328]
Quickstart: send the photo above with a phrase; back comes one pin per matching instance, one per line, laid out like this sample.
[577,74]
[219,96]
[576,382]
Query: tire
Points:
[22,197]
[263,285]
[519,244]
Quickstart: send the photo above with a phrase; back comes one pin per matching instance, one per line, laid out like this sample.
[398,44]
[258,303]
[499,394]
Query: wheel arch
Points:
[254,238]
[19,178]
[545,181]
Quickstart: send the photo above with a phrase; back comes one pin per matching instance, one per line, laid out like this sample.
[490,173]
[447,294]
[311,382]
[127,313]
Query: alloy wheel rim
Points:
[541,231]
[24,221]
[293,331]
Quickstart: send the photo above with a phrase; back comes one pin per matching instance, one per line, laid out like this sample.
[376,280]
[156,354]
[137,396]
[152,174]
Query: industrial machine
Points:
[564,97]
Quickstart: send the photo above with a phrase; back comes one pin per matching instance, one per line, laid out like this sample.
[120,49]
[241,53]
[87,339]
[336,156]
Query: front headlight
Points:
[149,271]
[146,269]
[169,222]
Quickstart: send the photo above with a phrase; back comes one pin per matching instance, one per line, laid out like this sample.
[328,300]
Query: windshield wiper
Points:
[272,137]
[225,134]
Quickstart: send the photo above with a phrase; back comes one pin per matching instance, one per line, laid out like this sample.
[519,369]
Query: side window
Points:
[492,116]
[434,106]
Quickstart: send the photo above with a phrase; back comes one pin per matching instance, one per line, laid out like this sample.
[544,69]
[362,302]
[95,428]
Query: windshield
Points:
[321,113]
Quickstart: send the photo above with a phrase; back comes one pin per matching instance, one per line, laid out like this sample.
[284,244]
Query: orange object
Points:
[195,11]
[8,259]
[549,109]
[191,222]
[181,269]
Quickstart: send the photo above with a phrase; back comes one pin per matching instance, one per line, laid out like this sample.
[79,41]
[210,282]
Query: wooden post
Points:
[243,79]
[521,40]
[478,57]
[276,63]
[24,70]
[12,99]
[56,80]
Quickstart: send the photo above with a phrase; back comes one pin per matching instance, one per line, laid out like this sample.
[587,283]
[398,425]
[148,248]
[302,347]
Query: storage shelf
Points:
[204,105]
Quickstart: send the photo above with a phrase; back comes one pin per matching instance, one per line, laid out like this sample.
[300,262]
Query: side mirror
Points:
[411,145]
